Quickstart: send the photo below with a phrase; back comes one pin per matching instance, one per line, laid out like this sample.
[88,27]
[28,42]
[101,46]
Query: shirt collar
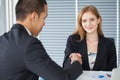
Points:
[28,31]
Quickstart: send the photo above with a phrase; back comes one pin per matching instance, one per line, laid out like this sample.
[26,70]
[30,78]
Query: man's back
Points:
[12,45]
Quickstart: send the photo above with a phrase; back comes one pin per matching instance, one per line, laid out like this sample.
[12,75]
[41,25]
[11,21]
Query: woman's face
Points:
[90,22]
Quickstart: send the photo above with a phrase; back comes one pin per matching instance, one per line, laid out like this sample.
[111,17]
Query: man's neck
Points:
[25,26]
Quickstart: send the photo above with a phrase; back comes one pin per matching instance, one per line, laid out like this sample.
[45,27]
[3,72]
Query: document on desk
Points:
[95,75]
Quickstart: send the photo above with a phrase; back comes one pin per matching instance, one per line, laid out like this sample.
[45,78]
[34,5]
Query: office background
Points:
[61,22]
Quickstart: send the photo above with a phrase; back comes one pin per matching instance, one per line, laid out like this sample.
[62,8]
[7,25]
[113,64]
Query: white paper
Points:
[95,75]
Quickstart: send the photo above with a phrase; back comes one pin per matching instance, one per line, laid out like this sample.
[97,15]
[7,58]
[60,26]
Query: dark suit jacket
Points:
[106,53]
[23,57]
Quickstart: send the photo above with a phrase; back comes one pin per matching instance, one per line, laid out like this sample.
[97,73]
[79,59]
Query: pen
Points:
[101,76]
[108,75]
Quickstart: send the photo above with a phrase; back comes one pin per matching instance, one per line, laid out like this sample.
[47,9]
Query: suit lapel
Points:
[82,49]
[100,53]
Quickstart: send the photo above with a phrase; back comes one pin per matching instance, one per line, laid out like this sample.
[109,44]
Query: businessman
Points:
[22,56]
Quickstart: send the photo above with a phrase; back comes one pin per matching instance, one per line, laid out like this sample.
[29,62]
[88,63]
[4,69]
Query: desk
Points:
[95,75]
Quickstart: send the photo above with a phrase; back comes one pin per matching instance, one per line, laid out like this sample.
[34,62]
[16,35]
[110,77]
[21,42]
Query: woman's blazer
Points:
[106,53]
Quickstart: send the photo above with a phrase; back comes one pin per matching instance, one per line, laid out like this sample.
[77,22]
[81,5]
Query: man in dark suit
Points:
[22,56]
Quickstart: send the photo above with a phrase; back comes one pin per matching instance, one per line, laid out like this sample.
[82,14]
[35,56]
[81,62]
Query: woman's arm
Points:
[112,59]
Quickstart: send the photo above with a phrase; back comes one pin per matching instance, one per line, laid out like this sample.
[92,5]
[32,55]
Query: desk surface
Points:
[95,75]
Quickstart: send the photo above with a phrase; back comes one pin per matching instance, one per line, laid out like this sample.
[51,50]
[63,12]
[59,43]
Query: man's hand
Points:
[75,57]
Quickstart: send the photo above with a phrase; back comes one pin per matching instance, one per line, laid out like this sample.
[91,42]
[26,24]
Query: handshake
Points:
[75,57]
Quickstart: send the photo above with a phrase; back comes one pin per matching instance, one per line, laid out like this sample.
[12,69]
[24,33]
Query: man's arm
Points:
[38,62]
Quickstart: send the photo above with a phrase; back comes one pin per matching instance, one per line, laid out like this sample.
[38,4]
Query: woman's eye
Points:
[92,19]
[84,21]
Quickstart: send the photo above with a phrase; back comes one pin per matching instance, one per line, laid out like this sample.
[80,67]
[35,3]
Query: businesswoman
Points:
[98,52]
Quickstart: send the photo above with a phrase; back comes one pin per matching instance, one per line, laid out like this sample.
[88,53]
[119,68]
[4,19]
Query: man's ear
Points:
[33,16]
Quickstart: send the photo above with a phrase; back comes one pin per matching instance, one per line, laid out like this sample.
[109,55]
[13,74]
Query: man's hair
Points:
[25,7]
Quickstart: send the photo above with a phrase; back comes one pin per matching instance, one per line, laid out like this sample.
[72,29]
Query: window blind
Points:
[59,24]
[61,21]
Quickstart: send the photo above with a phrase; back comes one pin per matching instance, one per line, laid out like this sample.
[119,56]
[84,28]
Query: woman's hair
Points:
[25,7]
[79,29]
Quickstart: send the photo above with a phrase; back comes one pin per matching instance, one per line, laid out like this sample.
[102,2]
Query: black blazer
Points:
[106,53]
[23,57]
